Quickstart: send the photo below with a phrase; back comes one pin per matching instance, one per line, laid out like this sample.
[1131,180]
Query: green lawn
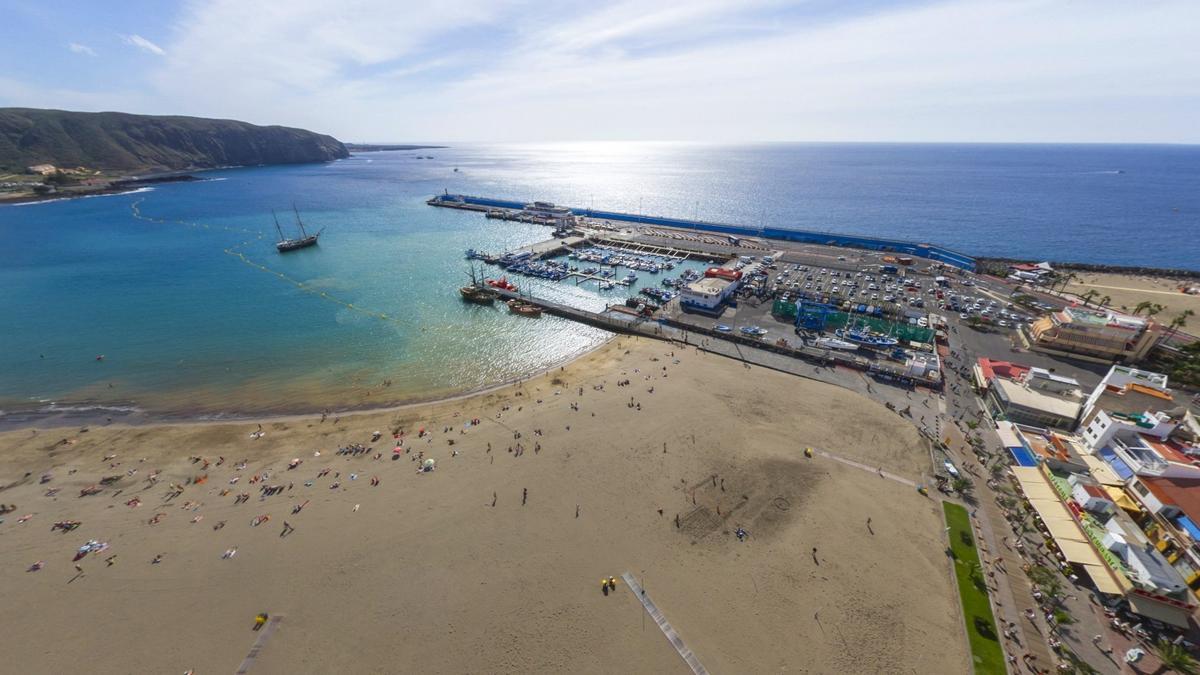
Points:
[981,625]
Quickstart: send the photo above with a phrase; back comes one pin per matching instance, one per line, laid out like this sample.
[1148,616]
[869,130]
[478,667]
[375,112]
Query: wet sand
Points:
[423,574]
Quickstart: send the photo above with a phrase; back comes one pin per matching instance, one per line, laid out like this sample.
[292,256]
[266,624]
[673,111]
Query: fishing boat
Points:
[502,283]
[834,343]
[524,308]
[305,240]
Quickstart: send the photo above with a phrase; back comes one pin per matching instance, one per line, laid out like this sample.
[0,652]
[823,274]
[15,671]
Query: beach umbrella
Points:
[428,463]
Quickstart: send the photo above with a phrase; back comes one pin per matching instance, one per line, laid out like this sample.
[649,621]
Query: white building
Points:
[1141,444]
[1037,397]
[559,215]
[707,294]
[1127,390]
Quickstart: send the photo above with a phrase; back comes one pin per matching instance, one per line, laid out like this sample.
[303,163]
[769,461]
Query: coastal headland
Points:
[54,154]
[638,458]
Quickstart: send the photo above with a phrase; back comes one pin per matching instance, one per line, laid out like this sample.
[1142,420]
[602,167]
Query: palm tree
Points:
[1105,300]
[1087,297]
[1175,659]
[1178,322]
[1066,279]
[1141,307]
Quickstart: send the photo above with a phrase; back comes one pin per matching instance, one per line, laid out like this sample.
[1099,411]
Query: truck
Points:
[889,269]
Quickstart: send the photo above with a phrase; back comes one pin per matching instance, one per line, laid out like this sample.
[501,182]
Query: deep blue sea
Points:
[201,314]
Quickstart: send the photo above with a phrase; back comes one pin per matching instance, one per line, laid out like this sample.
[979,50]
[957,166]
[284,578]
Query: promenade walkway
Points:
[686,654]
[263,635]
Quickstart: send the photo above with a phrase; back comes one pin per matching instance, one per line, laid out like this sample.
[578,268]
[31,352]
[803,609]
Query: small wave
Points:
[108,194]
[83,408]
[1107,172]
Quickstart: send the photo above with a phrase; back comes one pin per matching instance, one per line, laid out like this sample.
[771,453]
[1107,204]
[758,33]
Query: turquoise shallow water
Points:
[186,327]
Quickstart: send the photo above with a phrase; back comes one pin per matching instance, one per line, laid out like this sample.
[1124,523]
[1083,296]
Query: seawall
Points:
[927,251]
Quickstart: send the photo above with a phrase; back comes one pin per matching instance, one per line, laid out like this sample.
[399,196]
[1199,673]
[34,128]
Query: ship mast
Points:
[298,221]
[277,228]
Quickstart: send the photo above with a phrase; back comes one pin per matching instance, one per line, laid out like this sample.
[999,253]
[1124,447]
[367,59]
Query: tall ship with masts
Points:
[305,240]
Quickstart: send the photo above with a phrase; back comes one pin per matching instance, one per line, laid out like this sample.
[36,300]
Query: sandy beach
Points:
[1127,290]
[492,561]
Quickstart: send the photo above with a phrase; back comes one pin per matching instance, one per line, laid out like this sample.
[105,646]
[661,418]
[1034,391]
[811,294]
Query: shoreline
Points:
[116,186]
[141,417]
[538,491]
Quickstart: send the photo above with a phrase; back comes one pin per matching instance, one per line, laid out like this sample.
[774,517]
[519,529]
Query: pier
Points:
[921,250]
[622,319]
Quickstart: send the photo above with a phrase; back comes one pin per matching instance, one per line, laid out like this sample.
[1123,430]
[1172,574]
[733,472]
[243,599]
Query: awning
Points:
[1008,438]
[1121,499]
[980,381]
[1076,551]
[1159,611]
[1066,533]
[1102,472]
[1103,578]
[1186,523]
[1118,465]
[1033,484]
[1062,528]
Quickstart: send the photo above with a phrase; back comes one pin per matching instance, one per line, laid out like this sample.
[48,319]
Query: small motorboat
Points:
[722,328]
[753,331]
[502,283]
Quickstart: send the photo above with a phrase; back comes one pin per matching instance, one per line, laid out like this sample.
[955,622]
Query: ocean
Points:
[196,314]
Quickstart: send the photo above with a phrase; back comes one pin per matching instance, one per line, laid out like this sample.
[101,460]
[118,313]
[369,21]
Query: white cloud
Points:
[81,49]
[142,43]
[983,70]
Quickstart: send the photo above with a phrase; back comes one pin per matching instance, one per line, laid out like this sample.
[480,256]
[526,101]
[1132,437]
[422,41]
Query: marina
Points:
[732,232]
[673,291]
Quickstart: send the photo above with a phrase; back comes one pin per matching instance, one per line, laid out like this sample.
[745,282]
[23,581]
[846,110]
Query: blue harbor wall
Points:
[927,251]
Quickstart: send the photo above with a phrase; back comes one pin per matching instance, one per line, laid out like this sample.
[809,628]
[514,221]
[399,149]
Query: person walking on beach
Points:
[260,620]
[524,495]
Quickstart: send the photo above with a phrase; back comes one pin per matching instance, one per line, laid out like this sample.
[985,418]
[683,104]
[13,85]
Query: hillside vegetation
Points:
[121,142]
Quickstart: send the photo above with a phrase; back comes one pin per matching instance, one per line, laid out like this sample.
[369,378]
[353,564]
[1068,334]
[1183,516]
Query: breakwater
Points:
[921,250]
[999,266]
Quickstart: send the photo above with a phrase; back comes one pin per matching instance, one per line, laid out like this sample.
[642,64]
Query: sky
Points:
[1108,71]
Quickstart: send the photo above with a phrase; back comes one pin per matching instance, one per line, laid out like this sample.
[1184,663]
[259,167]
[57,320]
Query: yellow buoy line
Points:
[233,251]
